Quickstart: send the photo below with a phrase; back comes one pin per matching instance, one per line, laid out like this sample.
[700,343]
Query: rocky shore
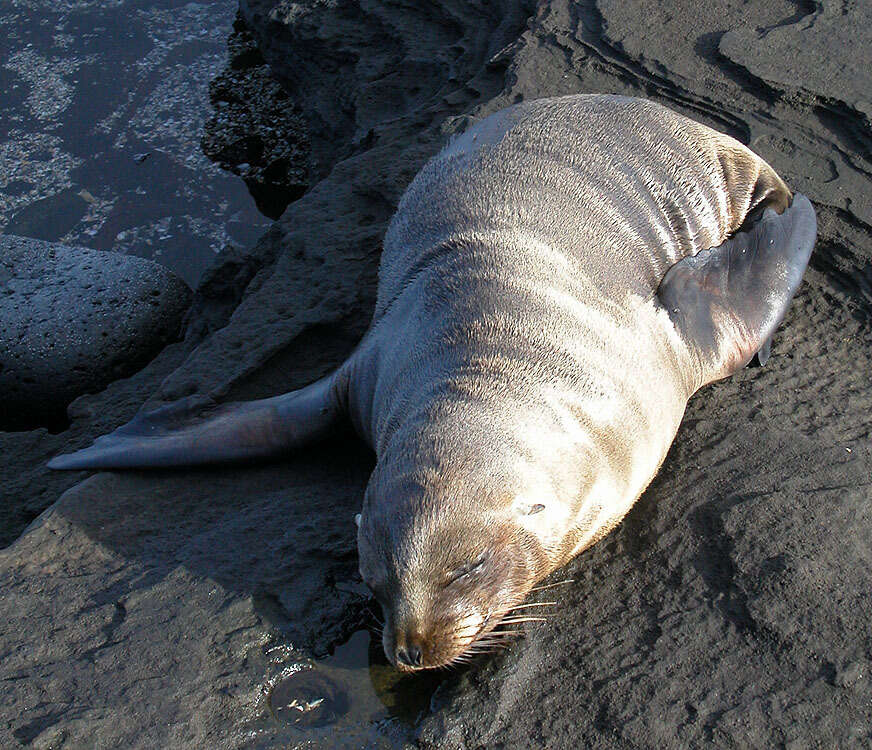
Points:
[730,609]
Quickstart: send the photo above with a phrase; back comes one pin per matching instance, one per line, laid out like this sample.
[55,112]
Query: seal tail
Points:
[726,302]
[194,431]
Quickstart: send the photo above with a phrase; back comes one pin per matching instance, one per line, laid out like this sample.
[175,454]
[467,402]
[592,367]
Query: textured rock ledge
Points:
[731,607]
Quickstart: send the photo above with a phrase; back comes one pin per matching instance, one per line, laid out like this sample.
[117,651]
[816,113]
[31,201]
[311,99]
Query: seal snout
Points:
[411,645]
[442,640]
[408,650]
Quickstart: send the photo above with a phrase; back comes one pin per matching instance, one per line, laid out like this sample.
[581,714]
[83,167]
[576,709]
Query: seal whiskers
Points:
[552,585]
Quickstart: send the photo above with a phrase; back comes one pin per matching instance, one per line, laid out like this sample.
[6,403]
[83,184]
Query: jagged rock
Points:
[796,54]
[256,130]
[72,320]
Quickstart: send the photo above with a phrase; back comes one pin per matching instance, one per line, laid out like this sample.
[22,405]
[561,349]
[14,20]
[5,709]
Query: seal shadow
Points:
[281,533]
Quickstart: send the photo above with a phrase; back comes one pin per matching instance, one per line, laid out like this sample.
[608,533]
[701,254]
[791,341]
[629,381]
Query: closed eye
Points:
[467,570]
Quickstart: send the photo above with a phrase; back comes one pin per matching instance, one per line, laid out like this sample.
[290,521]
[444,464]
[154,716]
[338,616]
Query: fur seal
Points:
[555,285]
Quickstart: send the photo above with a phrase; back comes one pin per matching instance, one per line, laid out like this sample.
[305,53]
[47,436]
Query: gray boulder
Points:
[72,320]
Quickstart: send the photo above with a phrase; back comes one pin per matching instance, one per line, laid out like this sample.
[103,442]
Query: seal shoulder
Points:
[619,188]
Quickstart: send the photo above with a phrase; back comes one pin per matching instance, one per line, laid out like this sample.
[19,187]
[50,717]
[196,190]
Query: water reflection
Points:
[353,687]
[102,106]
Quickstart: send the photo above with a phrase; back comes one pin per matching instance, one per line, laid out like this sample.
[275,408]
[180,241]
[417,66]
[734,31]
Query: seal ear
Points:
[197,431]
[726,302]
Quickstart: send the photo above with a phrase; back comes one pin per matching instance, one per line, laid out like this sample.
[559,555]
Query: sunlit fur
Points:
[518,356]
[410,568]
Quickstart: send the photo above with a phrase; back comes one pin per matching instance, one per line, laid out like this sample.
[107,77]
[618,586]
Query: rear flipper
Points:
[191,432]
[727,301]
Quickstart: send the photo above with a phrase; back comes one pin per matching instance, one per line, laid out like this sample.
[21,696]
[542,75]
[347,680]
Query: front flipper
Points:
[727,301]
[193,432]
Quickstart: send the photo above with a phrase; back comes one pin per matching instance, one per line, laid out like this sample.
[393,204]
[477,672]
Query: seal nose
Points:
[410,656]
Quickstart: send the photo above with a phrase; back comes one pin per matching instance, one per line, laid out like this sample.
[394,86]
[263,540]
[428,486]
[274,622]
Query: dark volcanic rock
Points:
[134,602]
[72,320]
[729,609]
[256,130]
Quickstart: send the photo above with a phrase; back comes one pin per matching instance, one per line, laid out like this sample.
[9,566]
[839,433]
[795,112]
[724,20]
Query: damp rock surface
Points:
[72,320]
[729,609]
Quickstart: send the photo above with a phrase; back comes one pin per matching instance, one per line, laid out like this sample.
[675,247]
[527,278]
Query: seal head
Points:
[447,575]
[451,538]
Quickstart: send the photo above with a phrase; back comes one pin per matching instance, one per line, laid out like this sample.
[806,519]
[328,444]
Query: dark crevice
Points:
[804,8]
[32,418]
[708,47]
[850,128]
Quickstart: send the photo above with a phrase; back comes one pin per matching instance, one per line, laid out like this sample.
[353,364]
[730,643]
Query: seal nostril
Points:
[411,656]
[415,655]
